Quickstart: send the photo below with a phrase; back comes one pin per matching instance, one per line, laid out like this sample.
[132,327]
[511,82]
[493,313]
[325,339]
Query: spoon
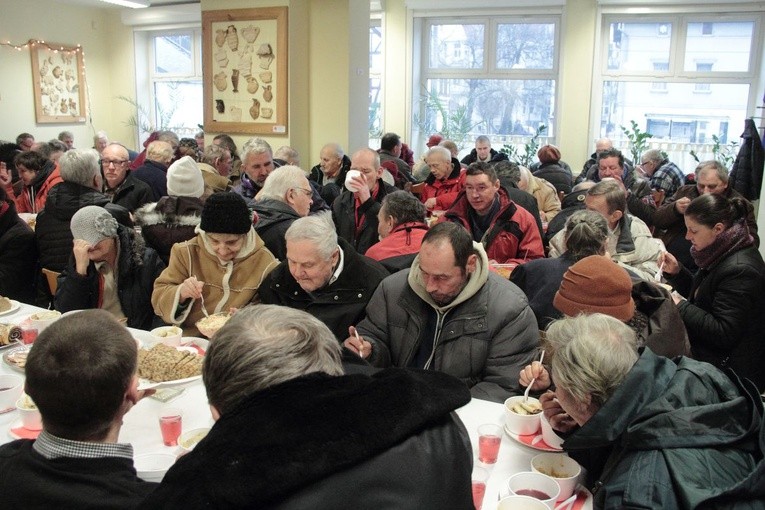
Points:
[202,301]
[528,388]
[566,504]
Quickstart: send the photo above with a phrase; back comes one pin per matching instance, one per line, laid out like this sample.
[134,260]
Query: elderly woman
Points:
[632,412]
[401,227]
[586,234]
[221,268]
[725,310]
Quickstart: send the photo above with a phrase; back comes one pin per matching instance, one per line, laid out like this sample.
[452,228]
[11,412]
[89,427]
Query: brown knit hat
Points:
[548,154]
[596,284]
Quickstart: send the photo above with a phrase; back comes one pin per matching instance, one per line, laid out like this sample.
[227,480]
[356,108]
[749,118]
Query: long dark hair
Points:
[712,208]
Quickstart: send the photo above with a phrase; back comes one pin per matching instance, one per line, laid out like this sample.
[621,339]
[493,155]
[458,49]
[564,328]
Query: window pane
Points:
[525,45]
[179,106]
[725,47]
[173,54]
[375,79]
[456,47]
[462,109]
[636,46]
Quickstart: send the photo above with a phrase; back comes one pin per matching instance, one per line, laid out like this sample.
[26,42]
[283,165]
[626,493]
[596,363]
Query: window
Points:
[494,76]
[685,87]
[375,78]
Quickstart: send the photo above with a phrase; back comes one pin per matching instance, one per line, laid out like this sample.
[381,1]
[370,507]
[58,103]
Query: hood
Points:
[476,280]
[574,199]
[272,211]
[454,174]
[185,211]
[66,198]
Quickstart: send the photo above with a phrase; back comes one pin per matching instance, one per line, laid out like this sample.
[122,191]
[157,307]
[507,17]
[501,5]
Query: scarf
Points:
[733,239]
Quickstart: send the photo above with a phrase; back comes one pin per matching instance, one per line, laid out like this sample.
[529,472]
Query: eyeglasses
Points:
[116,162]
[308,192]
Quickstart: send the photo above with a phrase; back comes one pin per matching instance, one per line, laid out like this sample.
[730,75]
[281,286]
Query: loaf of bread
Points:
[164,363]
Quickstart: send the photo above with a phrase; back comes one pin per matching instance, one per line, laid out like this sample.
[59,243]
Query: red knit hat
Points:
[596,284]
[434,140]
[548,154]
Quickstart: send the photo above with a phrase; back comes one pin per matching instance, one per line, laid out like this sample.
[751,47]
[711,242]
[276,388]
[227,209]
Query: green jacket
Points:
[674,434]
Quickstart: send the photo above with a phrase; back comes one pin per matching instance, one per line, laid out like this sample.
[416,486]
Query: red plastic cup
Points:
[28,333]
[171,425]
[478,478]
[489,439]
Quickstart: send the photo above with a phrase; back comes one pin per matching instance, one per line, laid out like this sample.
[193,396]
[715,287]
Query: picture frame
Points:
[244,67]
[58,79]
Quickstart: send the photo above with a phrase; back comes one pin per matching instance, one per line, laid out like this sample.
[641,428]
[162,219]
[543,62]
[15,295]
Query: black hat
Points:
[226,213]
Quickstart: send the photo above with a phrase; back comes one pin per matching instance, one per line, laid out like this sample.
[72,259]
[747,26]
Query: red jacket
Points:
[24,202]
[404,239]
[513,235]
[446,190]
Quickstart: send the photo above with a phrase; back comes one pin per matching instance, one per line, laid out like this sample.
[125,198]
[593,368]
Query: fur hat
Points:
[93,224]
[434,140]
[548,154]
[184,179]
[596,284]
[226,213]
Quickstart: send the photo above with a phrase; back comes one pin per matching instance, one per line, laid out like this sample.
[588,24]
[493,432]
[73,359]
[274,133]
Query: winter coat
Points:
[484,337]
[300,454]
[167,222]
[445,190]
[344,216]
[39,189]
[494,157]
[403,239]
[274,218]
[556,175]
[667,177]
[570,204]
[547,197]
[663,439]
[213,180]
[54,239]
[226,285]
[137,267]
[725,313]
[525,200]
[403,170]
[247,188]
[540,279]
[512,237]
[154,174]
[339,304]
[132,193]
[18,258]
[329,191]
[746,174]
[658,324]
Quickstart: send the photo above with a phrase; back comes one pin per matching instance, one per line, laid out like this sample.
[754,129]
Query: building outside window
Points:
[376,65]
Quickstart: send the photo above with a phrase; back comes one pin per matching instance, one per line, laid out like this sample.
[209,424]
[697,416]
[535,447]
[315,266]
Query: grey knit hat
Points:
[93,224]
[184,179]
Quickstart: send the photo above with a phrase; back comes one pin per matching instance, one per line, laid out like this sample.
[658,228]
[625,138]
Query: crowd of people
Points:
[433,280]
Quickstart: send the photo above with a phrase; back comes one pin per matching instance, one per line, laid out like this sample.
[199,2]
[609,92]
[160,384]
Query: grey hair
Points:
[318,229]
[213,153]
[719,168]
[482,139]
[80,166]
[450,146]
[169,137]
[280,181]
[265,345]
[404,207]
[99,135]
[288,154]
[65,134]
[586,234]
[591,355]
[509,170]
[445,154]
[614,194]
[160,150]
[256,146]
[653,155]
[336,148]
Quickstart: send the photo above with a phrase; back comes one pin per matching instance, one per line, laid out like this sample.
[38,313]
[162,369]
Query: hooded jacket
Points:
[226,284]
[403,239]
[169,221]
[32,198]
[674,434]
[213,179]
[556,175]
[546,196]
[494,156]
[484,337]
[445,190]
[274,218]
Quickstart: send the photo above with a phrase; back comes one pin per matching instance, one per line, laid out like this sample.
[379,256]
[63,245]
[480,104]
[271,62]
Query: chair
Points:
[52,278]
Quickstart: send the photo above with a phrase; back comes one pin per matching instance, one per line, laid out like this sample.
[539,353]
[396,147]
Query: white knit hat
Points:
[184,179]
[93,224]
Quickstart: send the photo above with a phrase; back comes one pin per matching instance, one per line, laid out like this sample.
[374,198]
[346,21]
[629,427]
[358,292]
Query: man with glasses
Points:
[121,187]
[508,233]
[663,174]
[445,181]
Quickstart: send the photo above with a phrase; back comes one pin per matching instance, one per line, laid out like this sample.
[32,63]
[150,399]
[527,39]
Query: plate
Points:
[8,361]
[583,501]
[145,384]
[17,431]
[15,305]
[534,441]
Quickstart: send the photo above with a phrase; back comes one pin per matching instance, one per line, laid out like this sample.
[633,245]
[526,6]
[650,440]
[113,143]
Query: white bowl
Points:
[350,186]
[188,440]
[520,503]
[523,425]
[561,468]
[168,335]
[153,466]
[30,415]
[11,388]
[548,434]
[41,320]
[519,483]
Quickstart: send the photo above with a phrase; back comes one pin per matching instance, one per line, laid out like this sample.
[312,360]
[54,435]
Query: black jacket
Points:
[274,218]
[18,258]
[329,191]
[343,215]
[138,266]
[556,175]
[132,193]
[746,174]
[473,157]
[338,305]
[154,174]
[388,440]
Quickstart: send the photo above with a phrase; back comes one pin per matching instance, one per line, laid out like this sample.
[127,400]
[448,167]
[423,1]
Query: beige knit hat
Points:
[184,179]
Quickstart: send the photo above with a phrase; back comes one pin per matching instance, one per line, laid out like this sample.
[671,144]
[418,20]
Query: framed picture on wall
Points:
[244,60]
[58,78]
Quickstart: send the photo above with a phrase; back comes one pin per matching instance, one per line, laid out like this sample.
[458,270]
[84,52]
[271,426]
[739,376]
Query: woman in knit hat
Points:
[219,269]
[174,218]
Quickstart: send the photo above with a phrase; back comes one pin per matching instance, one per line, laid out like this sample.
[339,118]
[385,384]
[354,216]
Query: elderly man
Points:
[664,175]
[111,268]
[317,438]
[483,152]
[216,167]
[390,150]
[711,177]
[257,163]
[401,226]
[67,138]
[636,189]
[329,174]
[285,197]
[445,181]
[629,240]
[286,155]
[322,275]
[119,184]
[82,377]
[450,313]
[153,171]
[25,141]
[508,233]
[590,168]
[632,411]
[355,212]
[100,141]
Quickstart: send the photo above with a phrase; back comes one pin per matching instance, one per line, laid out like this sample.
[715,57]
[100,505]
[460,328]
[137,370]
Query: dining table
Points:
[141,425]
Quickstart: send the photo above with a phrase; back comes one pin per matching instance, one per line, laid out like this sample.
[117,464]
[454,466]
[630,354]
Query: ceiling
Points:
[104,5]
